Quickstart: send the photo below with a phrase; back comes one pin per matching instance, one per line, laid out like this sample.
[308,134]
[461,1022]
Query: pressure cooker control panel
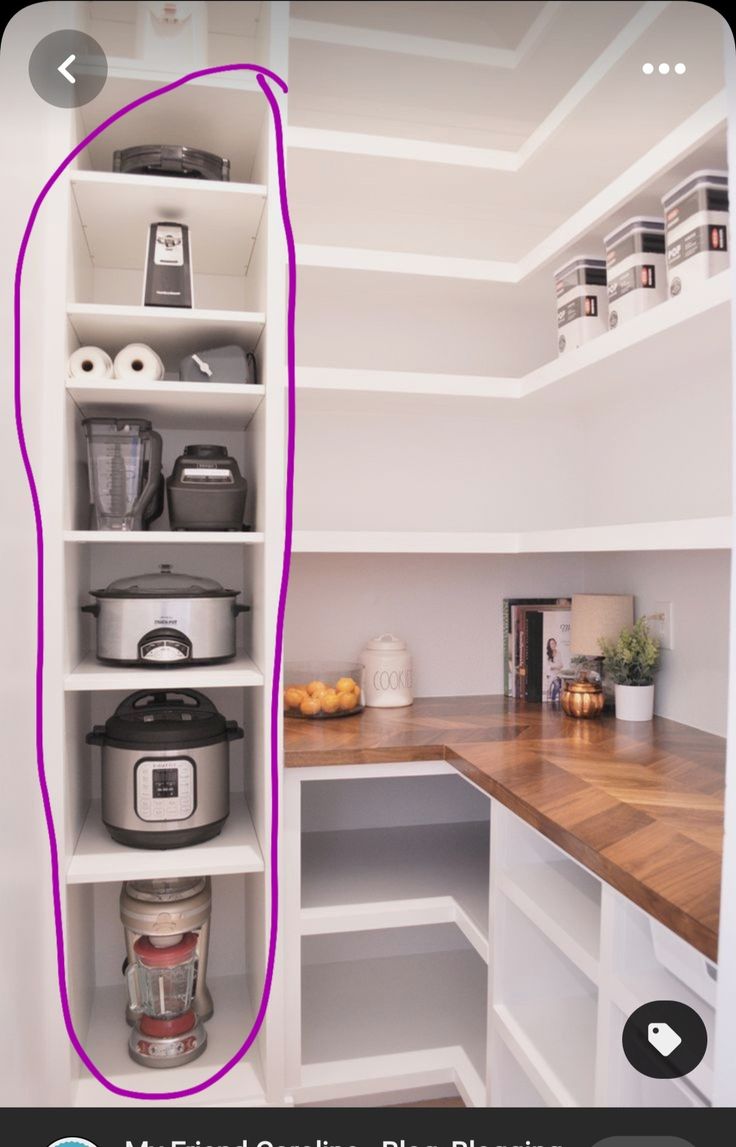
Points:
[164,788]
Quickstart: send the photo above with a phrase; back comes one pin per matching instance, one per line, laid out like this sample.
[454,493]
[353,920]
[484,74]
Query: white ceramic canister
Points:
[387,677]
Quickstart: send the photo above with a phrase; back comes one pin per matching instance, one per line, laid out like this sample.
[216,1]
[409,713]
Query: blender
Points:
[167,1031]
[125,477]
[165,908]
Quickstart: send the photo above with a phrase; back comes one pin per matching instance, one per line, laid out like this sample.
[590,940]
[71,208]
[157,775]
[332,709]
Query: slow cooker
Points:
[165,618]
[165,769]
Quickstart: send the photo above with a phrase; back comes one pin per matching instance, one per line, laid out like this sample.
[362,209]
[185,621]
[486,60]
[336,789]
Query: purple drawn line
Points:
[261,75]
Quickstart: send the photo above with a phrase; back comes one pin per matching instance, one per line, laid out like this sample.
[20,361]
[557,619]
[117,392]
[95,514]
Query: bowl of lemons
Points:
[314,690]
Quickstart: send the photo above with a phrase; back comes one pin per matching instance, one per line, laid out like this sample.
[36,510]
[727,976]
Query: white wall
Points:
[692,685]
[448,609]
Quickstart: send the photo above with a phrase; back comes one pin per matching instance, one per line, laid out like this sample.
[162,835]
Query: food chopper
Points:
[167,1031]
[160,909]
[125,479]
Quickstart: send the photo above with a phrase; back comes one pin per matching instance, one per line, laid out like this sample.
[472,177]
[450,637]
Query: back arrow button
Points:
[76,81]
[63,69]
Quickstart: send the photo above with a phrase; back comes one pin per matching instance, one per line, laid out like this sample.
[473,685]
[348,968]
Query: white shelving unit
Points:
[98,224]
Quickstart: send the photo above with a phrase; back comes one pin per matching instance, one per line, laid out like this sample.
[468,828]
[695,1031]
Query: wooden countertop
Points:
[641,805]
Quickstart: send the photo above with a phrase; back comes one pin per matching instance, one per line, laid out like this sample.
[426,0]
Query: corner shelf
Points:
[691,534]
[170,330]
[97,858]
[106,1045]
[224,217]
[393,877]
[367,1011]
[171,405]
[672,329]
[91,675]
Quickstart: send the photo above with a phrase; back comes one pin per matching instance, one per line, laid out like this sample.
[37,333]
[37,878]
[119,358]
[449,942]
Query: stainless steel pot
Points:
[165,769]
[165,618]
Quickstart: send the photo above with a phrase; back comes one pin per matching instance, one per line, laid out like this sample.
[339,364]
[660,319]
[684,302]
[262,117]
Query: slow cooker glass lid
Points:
[165,583]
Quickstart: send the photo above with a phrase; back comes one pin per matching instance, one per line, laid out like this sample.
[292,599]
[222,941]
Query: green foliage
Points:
[633,658]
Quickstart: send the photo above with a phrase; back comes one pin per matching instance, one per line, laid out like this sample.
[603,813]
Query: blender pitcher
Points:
[167,1031]
[125,478]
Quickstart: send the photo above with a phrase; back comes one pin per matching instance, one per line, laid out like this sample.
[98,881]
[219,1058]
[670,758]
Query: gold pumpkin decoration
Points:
[582,699]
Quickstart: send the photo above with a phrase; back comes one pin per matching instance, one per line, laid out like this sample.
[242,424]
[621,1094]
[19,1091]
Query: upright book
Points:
[515,638]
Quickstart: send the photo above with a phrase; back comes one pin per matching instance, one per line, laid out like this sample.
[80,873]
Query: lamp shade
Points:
[596,615]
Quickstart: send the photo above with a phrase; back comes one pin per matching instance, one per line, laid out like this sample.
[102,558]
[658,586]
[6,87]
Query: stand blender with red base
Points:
[167,1031]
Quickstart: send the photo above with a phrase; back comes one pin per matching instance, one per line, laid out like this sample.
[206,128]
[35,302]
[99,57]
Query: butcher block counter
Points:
[640,805]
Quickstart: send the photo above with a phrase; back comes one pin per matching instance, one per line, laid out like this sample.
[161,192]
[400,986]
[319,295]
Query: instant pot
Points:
[165,769]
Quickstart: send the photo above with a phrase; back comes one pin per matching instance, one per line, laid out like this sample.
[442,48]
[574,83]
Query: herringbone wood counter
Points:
[641,805]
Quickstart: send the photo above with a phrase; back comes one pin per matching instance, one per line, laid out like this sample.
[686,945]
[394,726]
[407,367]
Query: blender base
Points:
[167,1051]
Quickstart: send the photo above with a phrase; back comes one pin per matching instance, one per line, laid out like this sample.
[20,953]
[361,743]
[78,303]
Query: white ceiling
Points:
[404,94]
[500,25]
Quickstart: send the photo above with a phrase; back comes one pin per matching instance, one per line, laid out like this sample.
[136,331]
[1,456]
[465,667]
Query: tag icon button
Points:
[663,1038]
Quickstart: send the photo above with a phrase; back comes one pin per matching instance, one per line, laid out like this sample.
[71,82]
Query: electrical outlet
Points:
[661,624]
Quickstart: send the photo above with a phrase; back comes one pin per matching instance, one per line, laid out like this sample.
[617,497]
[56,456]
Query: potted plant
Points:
[631,662]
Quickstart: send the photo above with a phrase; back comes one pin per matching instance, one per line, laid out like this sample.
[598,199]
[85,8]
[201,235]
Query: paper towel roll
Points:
[138,361]
[89,362]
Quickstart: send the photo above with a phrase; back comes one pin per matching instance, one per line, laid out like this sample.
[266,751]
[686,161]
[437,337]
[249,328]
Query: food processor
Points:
[125,478]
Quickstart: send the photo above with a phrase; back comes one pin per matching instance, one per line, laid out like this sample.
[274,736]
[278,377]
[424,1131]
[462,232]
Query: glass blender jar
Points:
[167,1031]
[125,478]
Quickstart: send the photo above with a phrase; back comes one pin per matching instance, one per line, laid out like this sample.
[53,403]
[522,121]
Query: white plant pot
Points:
[634,702]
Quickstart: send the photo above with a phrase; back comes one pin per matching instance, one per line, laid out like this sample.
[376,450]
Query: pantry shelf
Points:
[361,1009]
[172,331]
[392,877]
[90,674]
[209,107]
[98,858]
[564,903]
[554,1039]
[106,1045]
[224,217]
[170,405]
[691,534]
[671,333]
[158,537]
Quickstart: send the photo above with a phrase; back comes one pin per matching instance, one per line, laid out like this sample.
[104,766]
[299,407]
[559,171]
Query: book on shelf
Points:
[536,647]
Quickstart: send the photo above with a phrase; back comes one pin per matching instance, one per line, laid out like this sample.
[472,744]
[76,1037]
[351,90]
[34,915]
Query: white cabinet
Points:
[397,978]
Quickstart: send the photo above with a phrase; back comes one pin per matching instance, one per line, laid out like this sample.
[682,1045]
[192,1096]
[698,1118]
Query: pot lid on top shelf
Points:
[165,583]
